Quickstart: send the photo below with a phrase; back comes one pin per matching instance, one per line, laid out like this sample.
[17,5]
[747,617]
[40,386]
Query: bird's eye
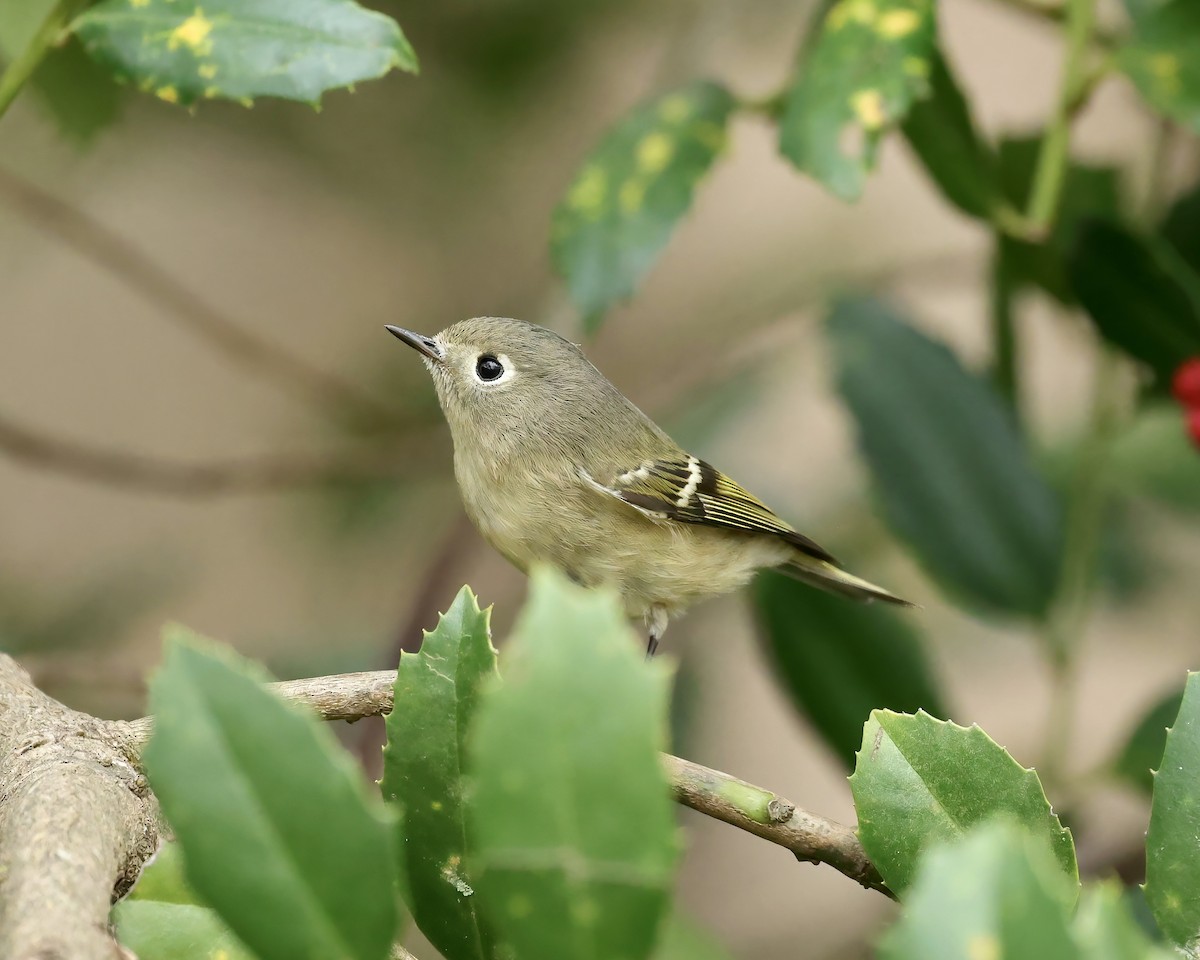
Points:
[488,368]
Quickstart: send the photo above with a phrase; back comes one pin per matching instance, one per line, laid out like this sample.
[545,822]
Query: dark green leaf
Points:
[949,468]
[574,823]
[840,660]
[242,49]
[941,131]
[277,831]
[921,781]
[1181,227]
[1162,58]
[860,75]
[175,931]
[1087,191]
[1173,840]
[1154,458]
[995,894]
[626,200]
[1140,293]
[77,92]
[1105,928]
[437,691]
[1143,751]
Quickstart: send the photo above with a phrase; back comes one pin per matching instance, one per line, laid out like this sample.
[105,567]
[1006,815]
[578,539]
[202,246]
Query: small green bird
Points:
[556,466]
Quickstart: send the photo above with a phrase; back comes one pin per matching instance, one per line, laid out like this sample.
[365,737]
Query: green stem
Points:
[20,70]
[1087,503]
[1051,169]
[1004,332]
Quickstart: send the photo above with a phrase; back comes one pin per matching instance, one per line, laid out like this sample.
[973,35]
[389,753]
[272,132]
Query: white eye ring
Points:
[507,371]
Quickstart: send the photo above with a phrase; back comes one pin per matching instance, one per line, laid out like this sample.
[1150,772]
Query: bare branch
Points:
[248,475]
[105,248]
[810,837]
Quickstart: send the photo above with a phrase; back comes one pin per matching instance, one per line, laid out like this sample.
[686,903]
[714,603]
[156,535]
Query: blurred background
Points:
[247,492]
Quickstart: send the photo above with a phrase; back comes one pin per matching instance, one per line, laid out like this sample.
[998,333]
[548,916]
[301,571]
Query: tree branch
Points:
[248,475]
[107,249]
[810,837]
[76,824]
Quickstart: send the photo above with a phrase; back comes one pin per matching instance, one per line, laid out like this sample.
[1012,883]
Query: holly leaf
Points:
[183,51]
[437,691]
[625,202]
[868,62]
[920,781]
[1162,58]
[575,830]
[1173,840]
[839,661]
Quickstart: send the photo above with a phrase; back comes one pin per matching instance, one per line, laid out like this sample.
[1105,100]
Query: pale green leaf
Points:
[575,827]
[155,930]
[994,894]
[920,781]
[277,830]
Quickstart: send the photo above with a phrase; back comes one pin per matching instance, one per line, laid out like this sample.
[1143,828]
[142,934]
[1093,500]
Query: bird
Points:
[556,466]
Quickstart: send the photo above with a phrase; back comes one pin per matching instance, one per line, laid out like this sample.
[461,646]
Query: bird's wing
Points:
[689,490]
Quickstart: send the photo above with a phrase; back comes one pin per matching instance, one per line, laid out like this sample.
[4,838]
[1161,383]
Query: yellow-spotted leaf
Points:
[620,210]
[866,66]
[186,50]
[1163,58]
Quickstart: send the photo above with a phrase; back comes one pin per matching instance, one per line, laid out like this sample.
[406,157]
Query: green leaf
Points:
[241,49]
[1143,751]
[163,879]
[684,939]
[624,203]
[574,823]
[1105,928]
[992,895]
[437,691]
[1087,192]
[1173,840]
[77,92]
[1181,227]
[1140,293]
[1162,58]
[839,661]
[1154,458]
[919,781]
[950,470]
[277,831]
[869,62]
[175,931]
[942,133]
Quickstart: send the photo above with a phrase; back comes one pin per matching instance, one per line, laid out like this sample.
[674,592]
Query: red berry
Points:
[1193,425]
[1186,385]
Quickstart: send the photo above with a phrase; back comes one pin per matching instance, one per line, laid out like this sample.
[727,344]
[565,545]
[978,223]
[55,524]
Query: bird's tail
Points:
[831,577]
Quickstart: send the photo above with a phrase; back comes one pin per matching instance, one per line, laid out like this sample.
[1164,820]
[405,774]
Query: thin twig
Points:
[810,837]
[102,246]
[247,475]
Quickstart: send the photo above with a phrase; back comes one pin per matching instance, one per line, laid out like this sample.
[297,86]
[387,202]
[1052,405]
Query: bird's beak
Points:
[426,345]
